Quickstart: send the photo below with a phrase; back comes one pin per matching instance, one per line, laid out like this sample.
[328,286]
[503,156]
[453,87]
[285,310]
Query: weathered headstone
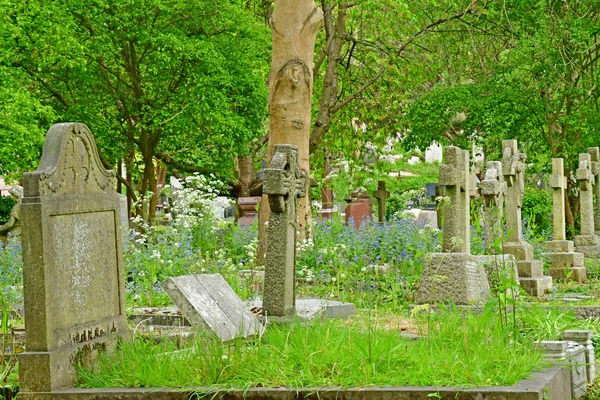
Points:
[594,153]
[381,194]
[587,241]
[73,277]
[454,275]
[493,191]
[359,208]
[574,355]
[531,276]
[247,206]
[284,183]
[565,262]
[584,338]
[207,301]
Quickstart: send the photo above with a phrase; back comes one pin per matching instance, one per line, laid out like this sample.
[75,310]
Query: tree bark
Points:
[294,26]
[247,175]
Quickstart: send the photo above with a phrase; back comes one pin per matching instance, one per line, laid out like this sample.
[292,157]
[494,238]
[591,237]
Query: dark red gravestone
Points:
[359,208]
[248,210]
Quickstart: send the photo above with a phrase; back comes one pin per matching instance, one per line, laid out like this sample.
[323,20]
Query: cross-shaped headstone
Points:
[594,153]
[558,183]
[284,183]
[513,167]
[493,190]
[586,200]
[454,175]
[381,195]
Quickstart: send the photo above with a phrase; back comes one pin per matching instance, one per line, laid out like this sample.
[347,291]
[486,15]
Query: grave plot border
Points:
[554,383]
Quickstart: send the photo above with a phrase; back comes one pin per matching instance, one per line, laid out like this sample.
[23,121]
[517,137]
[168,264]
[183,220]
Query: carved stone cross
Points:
[381,195]
[594,153]
[454,175]
[284,183]
[513,167]
[493,191]
[586,200]
[558,183]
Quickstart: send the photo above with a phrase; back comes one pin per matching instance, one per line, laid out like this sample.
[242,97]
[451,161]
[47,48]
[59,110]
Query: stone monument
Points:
[594,153]
[587,241]
[284,183]
[73,278]
[381,195]
[13,225]
[565,262]
[454,275]
[493,191]
[531,275]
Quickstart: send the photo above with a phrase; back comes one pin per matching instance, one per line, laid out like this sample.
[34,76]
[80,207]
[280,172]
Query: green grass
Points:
[460,350]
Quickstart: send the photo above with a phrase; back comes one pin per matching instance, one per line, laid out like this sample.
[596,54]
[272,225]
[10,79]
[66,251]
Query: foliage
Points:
[460,350]
[6,205]
[537,211]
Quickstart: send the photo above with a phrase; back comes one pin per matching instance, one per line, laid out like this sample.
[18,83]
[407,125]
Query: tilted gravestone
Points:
[381,194]
[587,241]
[207,301]
[284,183]
[454,275]
[594,153]
[531,276]
[73,261]
[493,191]
[565,262]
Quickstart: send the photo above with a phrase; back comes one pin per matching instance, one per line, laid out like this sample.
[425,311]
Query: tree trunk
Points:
[294,25]
[247,175]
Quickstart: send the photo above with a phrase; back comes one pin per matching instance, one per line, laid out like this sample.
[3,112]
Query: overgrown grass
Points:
[458,350]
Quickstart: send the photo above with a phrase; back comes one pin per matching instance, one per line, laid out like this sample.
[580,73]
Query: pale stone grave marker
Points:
[594,153]
[73,278]
[587,241]
[564,260]
[493,190]
[531,276]
[584,338]
[381,195]
[454,275]
[284,184]
[207,301]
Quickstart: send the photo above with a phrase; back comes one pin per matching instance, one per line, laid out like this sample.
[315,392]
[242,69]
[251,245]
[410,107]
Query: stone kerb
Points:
[73,261]
[531,277]
[284,183]
[454,275]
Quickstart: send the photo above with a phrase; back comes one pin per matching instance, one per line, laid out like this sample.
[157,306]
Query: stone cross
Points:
[594,153]
[585,177]
[513,167]
[455,176]
[381,195]
[558,183]
[73,280]
[284,183]
[493,190]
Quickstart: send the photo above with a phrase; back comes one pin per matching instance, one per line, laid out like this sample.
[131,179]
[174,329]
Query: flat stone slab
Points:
[553,383]
[312,308]
[163,316]
[207,301]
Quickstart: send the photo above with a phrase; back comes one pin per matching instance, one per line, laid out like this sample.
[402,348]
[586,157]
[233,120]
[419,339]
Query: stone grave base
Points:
[309,309]
[552,383]
[576,274]
[586,241]
[521,250]
[560,246]
[536,286]
[589,251]
[502,263]
[452,277]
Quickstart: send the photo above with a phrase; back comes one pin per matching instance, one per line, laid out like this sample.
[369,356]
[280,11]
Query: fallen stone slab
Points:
[313,308]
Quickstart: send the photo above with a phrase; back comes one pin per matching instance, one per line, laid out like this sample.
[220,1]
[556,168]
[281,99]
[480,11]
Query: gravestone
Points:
[208,302]
[594,153]
[574,355]
[454,275]
[587,241]
[531,276]
[493,191]
[584,338]
[381,194]
[284,183]
[73,278]
[565,262]
[359,208]
[247,206]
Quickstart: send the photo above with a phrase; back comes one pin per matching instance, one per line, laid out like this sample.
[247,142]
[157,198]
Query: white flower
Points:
[342,275]
[333,279]
[331,295]
[224,357]
[363,269]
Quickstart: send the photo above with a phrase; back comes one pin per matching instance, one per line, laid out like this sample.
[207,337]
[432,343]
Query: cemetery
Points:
[292,199]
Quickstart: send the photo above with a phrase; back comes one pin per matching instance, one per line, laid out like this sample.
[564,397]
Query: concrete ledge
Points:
[552,383]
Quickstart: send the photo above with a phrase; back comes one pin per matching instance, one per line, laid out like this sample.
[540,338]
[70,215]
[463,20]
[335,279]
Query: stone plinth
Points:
[248,210]
[560,246]
[584,338]
[73,278]
[452,277]
[568,266]
[495,265]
